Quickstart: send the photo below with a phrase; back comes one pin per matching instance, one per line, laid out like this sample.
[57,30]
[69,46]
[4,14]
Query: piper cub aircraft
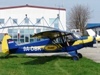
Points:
[50,42]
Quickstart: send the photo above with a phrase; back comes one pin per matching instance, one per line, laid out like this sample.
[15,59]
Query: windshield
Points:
[63,38]
[76,35]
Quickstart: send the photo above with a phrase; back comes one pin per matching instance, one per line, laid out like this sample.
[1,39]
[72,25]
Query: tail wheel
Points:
[79,55]
[75,58]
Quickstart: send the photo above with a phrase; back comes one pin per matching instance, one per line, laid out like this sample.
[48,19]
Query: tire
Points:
[79,55]
[75,58]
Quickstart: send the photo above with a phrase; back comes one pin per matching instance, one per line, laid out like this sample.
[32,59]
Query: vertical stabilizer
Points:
[5,48]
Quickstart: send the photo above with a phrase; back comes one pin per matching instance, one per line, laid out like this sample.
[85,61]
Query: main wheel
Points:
[79,55]
[75,58]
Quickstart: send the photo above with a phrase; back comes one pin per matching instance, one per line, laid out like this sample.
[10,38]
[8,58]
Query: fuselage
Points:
[45,46]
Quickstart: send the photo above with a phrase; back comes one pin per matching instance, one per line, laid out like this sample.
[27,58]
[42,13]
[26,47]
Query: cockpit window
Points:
[70,37]
[63,38]
[58,40]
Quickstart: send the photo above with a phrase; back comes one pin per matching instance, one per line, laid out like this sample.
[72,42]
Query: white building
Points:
[19,21]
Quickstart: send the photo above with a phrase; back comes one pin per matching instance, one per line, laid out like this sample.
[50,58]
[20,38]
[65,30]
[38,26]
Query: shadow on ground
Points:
[43,60]
[35,60]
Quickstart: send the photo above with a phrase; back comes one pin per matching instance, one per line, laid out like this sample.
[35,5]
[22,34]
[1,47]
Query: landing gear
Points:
[79,55]
[75,58]
[75,55]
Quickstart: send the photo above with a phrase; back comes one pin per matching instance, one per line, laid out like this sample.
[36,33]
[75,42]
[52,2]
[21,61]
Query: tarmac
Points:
[92,53]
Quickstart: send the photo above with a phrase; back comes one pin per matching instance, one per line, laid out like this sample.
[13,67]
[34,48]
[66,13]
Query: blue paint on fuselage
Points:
[45,42]
[63,49]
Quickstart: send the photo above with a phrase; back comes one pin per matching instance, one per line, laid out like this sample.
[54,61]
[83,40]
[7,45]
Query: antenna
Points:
[59,12]
[26,15]
[62,3]
[58,15]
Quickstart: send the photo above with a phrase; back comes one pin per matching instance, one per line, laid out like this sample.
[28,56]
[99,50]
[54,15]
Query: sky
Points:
[94,5]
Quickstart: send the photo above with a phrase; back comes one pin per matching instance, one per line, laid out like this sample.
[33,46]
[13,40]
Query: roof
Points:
[31,6]
[92,25]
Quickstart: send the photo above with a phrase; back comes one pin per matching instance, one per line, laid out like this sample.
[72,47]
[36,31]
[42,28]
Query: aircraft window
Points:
[58,40]
[63,39]
[70,37]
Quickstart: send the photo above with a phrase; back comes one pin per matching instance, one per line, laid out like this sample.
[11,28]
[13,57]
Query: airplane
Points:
[51,41]
[94,34]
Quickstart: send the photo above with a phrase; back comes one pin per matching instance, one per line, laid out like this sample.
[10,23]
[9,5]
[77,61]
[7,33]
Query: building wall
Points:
[32,13]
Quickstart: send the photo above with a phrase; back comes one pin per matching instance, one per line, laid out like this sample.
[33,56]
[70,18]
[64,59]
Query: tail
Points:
[8,44]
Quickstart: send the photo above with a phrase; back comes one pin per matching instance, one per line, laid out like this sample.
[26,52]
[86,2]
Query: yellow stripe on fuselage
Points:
[4,45]
[89,39]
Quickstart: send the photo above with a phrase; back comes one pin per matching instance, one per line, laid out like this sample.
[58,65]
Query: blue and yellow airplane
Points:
[50,42]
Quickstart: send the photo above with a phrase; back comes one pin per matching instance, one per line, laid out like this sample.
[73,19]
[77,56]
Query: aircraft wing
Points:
[50,34]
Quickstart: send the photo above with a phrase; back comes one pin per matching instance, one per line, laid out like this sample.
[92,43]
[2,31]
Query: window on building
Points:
[38,20]
[1,21]
[31,40]
[54,22]
[51,20]
[56,25]
[38,30]
[1,36]
[15,36]
[21,40]
[14,21]
[21,31]
[22,36]
[26,31]
[10,30]
[31,33]
[26,20]
[15,31]
[26,37]
[10,34]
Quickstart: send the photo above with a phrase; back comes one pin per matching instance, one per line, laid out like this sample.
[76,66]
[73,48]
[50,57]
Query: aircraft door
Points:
[69,40]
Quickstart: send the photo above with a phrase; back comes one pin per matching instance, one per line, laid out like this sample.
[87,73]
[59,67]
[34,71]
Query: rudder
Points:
[5,48]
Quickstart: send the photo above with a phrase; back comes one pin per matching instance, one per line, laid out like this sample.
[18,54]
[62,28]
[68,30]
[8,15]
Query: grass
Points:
[55,65]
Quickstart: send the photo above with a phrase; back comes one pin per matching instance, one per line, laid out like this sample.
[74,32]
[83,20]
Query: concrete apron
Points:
[92,53]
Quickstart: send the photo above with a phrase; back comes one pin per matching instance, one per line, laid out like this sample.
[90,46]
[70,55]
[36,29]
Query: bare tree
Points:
[78,17]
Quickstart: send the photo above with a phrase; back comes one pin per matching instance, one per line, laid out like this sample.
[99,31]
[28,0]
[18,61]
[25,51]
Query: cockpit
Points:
[58,37]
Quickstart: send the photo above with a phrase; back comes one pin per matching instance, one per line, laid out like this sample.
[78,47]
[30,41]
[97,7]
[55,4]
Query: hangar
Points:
[21,22]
